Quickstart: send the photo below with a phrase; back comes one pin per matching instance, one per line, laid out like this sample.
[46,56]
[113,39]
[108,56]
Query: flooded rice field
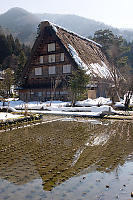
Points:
[67,158]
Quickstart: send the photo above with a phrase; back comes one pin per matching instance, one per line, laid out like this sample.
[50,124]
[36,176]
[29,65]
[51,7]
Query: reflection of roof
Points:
[32,153]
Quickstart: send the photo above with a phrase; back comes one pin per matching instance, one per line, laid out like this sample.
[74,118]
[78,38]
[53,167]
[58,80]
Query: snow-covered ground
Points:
[121,103]
[54,105]
[88,107]
[93,111]
[94,102]
[5,115]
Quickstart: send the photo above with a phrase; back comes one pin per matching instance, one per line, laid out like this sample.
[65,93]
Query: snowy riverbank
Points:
[5,116]
[88,107]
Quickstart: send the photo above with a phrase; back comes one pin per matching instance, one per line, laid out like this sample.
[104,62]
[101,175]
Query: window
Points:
[48,94]
[52,70]
[62,57]
[66,69]
[63,92]
[38,71]
[39,94]
[41,59]
[51,47]
[51,58]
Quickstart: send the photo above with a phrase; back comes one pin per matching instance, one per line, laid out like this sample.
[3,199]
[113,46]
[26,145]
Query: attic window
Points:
[51,47]
[38,71]
[41,59]
[51,58]
[62,57]
[66,69]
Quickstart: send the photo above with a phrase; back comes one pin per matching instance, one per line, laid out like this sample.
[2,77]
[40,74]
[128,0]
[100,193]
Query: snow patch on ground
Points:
[88,107]
[4,116]
[121,104]
[99,140]
[94,102]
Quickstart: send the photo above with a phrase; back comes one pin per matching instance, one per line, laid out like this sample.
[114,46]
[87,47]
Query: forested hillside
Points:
[13,55]
[23,24]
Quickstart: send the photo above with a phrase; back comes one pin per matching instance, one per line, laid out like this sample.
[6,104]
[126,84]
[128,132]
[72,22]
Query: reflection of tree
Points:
[48,150]
[117,172]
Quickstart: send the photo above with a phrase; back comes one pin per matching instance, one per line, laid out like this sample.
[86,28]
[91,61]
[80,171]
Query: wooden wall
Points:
[44,94]
[36,82]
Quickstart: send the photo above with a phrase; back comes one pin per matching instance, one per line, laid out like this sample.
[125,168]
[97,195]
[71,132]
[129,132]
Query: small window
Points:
[39,94]
[63,92]
[38,71]
[62,57]
[66,69]
[51,47]
[52,70]
[51,58]
[48,94]
[41,59]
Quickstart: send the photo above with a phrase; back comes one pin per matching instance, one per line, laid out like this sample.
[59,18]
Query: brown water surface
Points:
[67,159]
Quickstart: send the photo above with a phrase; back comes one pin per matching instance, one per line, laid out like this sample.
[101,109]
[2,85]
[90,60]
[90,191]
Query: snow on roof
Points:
[100,70]
[54,27]
[71,32]
[77,59]
[94,68]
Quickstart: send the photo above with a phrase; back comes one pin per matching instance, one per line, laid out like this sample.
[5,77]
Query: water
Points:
[67,159]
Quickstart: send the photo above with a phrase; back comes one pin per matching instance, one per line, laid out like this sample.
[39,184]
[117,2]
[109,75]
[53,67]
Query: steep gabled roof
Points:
[84,52]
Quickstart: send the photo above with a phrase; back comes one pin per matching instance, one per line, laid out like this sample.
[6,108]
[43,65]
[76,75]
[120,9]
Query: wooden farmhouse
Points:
[55,54]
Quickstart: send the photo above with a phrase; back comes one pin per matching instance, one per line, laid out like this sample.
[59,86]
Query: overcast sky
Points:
[118,13]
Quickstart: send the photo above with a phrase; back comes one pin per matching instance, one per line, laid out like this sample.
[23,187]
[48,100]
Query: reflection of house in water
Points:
[40,152]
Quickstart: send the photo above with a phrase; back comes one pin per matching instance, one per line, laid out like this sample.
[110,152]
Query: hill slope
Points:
[21,23]
[24,24]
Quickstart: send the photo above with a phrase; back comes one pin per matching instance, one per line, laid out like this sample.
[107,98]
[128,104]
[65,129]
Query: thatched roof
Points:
[83,52]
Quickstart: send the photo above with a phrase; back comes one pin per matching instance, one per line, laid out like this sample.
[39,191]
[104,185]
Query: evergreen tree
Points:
[19,70]
[11,43]
[4,48]
[18,47]
[8,81]
[13,55]
[77,84]
[114,48]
